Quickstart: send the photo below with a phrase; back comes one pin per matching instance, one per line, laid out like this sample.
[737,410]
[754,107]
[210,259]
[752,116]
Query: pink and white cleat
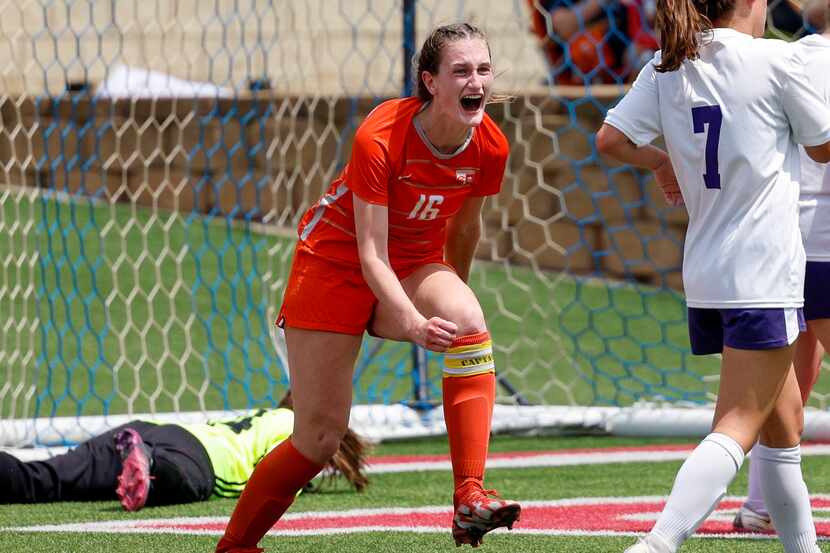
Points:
[749,520]
[134,480]
[478,511]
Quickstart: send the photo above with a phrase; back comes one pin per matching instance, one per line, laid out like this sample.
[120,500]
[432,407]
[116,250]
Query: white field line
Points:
[149,525]
[79,528]
[543,459]
[561,459]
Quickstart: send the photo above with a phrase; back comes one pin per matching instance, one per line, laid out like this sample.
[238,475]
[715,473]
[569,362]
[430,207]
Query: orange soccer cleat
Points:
[478,511]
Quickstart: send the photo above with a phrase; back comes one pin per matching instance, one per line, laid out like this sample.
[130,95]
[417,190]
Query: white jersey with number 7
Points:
[731,120]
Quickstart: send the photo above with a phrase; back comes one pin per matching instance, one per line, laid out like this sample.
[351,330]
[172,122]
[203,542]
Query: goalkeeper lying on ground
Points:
[159,464]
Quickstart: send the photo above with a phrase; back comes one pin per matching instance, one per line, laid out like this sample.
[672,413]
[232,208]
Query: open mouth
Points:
[472,102]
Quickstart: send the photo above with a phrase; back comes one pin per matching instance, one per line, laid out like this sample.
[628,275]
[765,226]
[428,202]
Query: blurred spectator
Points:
[815,15]
[594,41]
[787,17]
[640,19]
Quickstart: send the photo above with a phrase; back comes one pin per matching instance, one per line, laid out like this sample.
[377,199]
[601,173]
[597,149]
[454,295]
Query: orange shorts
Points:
[326,295]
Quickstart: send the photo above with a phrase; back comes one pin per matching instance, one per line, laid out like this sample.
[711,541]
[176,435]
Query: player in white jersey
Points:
[731,108]
[814,218]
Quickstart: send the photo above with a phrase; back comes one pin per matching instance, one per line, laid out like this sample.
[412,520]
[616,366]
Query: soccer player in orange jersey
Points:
[388,250]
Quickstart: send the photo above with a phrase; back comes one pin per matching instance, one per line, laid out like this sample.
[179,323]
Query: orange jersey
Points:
[394,165]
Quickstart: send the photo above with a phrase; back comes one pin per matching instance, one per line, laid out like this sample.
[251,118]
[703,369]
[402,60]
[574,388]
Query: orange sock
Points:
[269,492]
[469,394]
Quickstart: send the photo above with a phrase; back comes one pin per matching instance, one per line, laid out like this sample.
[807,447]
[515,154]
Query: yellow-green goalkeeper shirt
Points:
[235,446]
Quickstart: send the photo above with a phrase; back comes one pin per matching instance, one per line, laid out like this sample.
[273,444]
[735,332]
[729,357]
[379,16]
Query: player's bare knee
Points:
[778,439]
[783,429]
[744,435]
[799,421]
[318,437]
[328,442]
[469,321]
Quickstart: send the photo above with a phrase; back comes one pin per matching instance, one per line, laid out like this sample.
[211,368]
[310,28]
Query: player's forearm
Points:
[387,289]
[371,225]
[614,144]
[460,249]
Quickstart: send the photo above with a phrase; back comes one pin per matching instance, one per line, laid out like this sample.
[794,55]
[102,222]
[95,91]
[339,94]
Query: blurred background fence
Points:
[156,157]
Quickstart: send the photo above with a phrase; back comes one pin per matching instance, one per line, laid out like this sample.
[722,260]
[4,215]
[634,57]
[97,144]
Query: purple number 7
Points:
[713,116]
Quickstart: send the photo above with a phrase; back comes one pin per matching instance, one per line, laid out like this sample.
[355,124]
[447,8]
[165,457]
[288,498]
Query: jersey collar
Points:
[433,150]
[722,33]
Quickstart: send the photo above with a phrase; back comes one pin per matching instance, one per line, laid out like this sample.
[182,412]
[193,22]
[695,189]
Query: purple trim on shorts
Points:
[817,290]
[754,329]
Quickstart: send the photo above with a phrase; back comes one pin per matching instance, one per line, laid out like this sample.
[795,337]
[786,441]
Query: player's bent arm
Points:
[463,234]
[371,224]
[819,154]
[613,143]
[372,227]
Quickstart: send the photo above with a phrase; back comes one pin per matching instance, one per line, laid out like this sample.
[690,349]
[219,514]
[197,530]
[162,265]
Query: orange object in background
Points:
[598,53]
[589,50]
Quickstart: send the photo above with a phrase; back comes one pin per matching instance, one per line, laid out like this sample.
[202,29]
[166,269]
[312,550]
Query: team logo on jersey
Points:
[464,176]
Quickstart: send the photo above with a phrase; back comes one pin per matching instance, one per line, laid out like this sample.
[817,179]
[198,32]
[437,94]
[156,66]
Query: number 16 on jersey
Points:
[426,209]
[713,117]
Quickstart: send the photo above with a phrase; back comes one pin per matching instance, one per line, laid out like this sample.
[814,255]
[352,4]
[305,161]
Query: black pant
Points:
[181,470]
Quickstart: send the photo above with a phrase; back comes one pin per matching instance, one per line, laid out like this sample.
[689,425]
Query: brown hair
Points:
[680,23]
[349,460]
[429,58]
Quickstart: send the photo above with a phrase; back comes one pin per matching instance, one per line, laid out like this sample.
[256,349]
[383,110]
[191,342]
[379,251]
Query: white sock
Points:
[698,487]
[788,501]
[755,497]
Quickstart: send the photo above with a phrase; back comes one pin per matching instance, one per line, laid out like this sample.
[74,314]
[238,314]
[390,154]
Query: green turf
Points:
[164,312]
[364,543]
[157,311]
[511,442]
[409,489]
